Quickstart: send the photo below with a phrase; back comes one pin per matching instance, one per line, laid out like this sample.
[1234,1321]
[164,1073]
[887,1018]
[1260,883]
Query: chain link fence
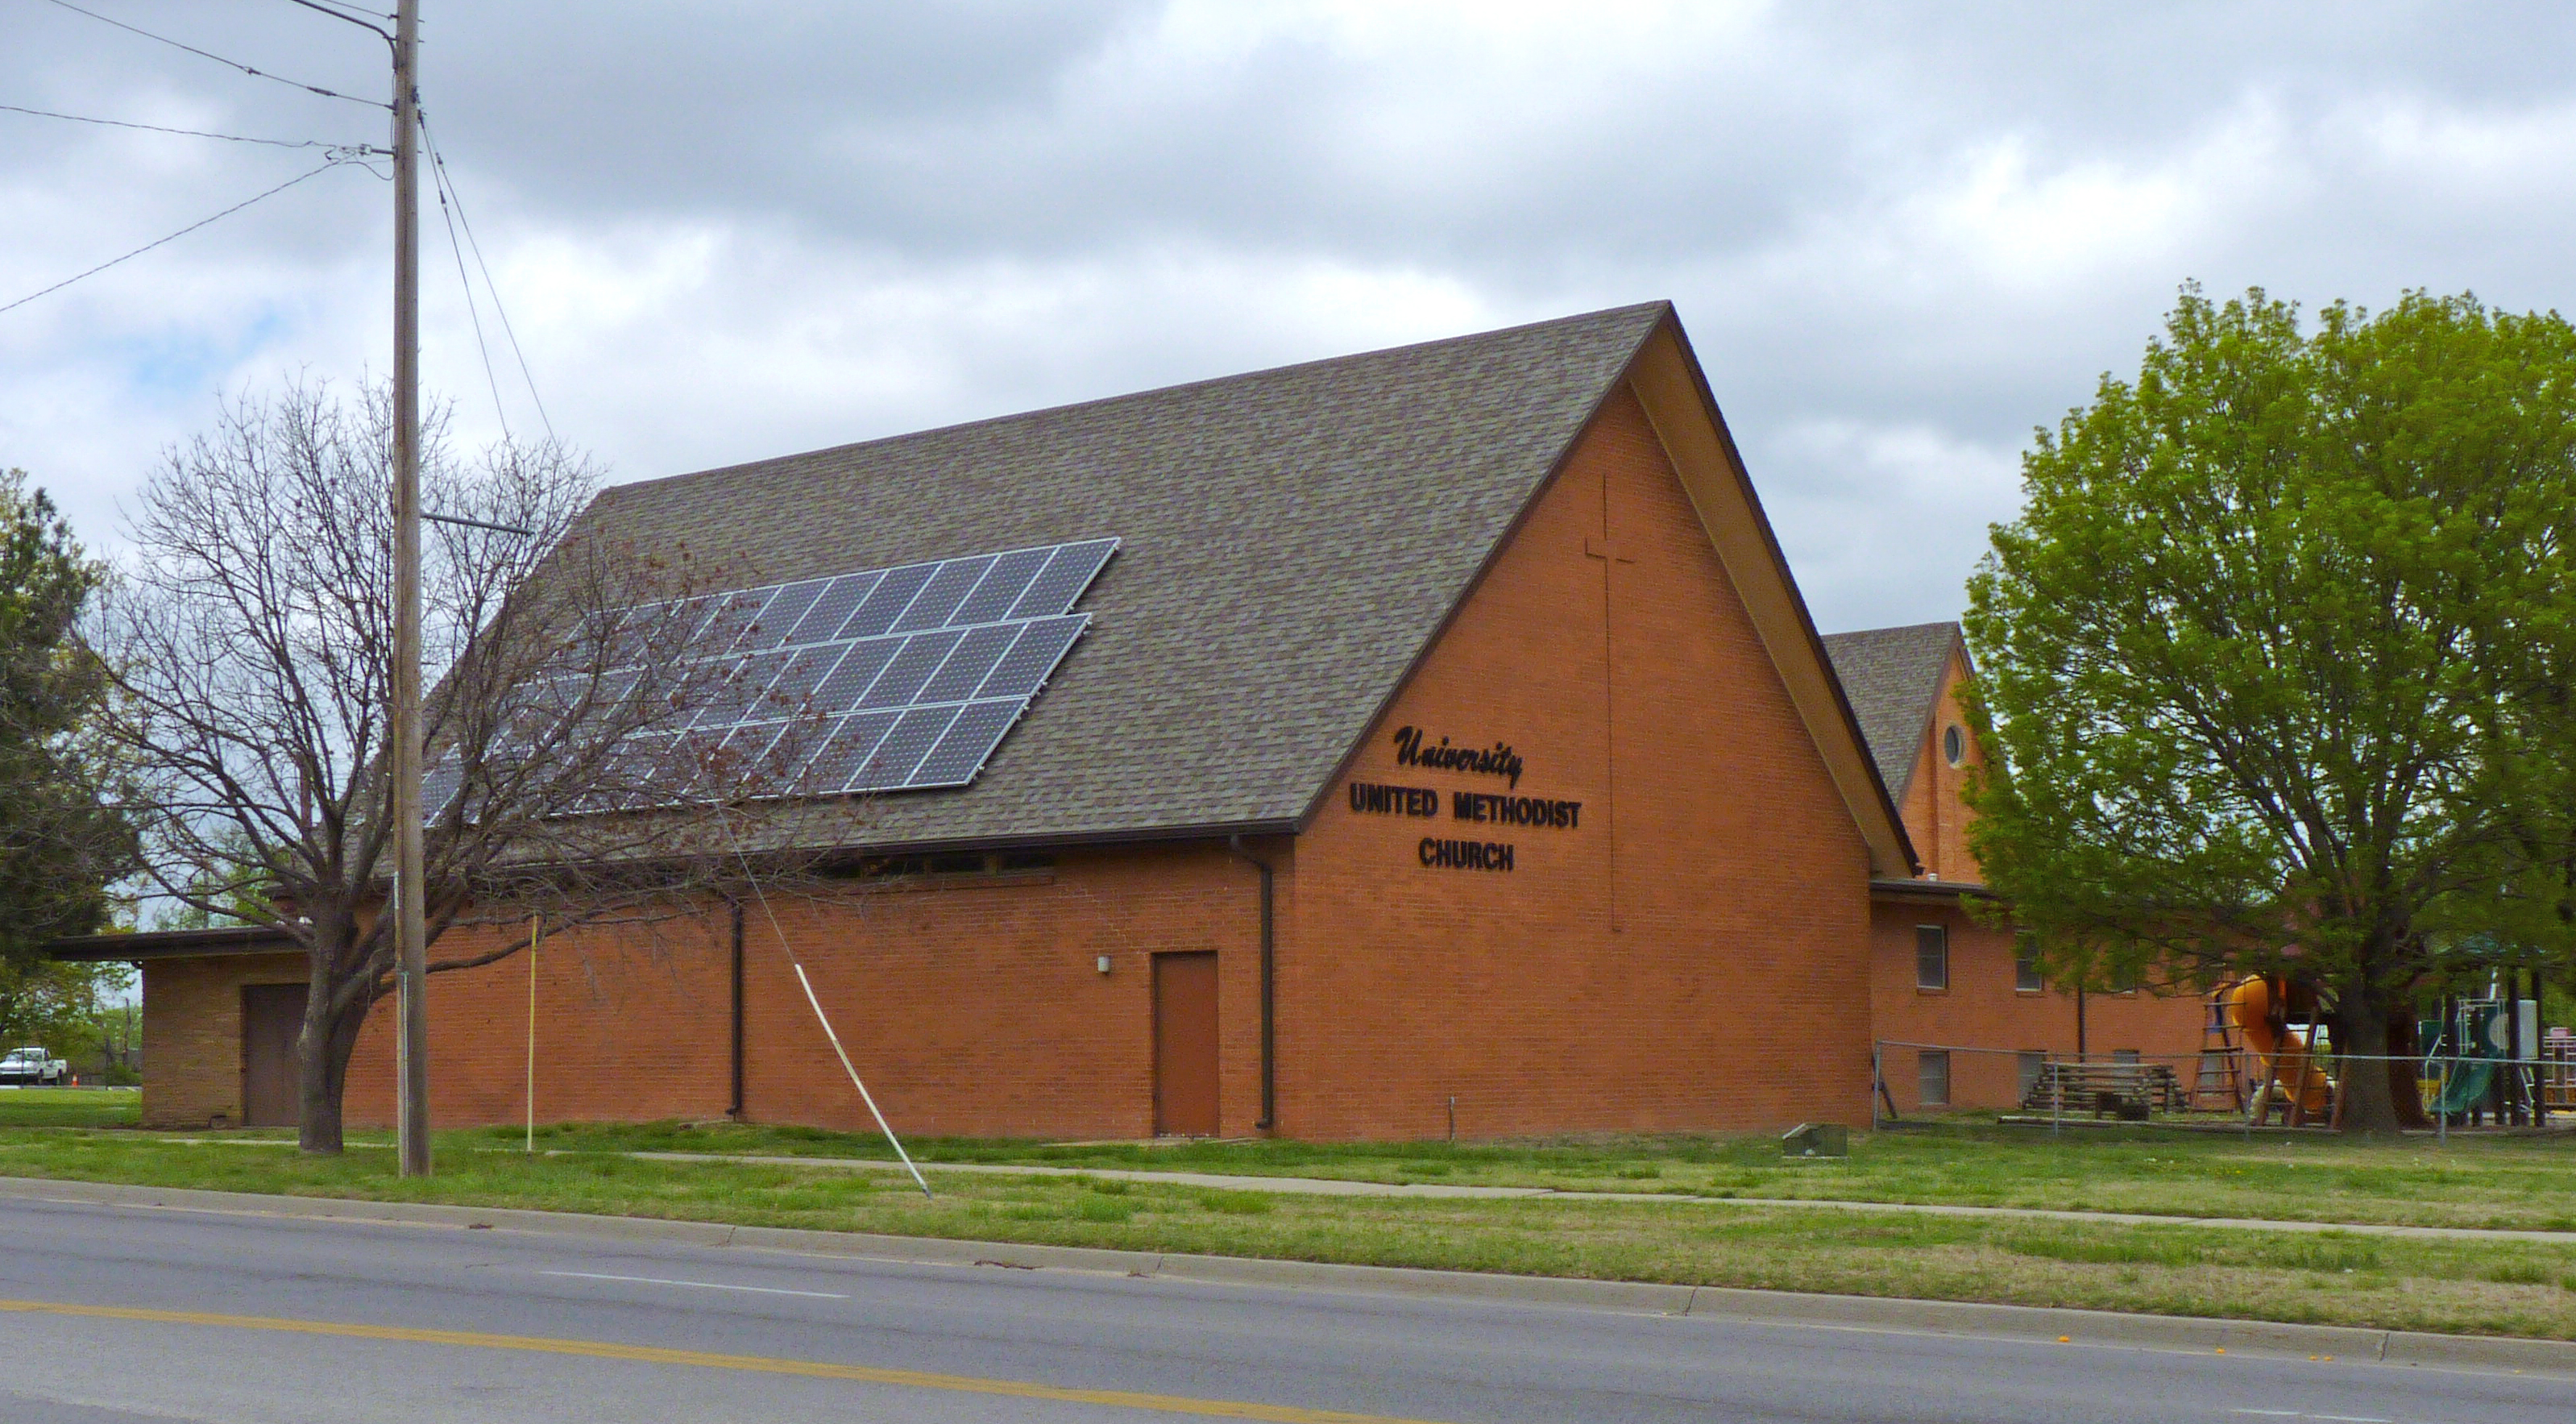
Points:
[2232,1087]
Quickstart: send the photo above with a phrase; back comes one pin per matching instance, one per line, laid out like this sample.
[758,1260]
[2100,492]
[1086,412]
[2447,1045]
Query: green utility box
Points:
[1816,1139]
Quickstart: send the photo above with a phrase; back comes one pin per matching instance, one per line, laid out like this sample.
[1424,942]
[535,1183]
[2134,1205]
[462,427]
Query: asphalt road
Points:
[123,1315]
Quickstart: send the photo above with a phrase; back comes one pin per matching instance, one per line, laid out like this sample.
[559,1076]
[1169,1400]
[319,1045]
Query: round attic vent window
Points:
[1954,745]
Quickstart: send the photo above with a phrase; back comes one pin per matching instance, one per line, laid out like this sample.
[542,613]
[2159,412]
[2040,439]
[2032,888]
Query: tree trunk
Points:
[2403,1086]
[322,1054]
[2361,1029]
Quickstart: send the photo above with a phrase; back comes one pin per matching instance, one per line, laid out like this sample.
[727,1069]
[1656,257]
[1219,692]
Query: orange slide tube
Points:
[2255,1003]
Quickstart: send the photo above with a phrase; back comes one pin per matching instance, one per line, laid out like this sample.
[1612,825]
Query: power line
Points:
[183,232]
[448,215]
[344,12]
[447,184]
[219,59]
[196,133]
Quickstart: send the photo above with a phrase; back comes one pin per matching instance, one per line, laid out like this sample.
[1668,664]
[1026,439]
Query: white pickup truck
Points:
[32,1067]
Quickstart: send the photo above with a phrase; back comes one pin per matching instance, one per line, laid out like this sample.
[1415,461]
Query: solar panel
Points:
[974,656]
[1002,586]
[1066,575]
[845,749]
[911,669]
[967,742]
[831,608]
[860,663]
[806,668]
[893,594]
[880,680]
[736,693]
[903,749]
[780,618]
[1032,657]
[939,598]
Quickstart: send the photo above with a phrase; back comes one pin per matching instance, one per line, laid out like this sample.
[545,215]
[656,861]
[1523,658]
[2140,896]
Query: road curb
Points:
[1756,1307]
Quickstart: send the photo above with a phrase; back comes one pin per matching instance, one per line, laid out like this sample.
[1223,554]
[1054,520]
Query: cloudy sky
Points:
[1900,237]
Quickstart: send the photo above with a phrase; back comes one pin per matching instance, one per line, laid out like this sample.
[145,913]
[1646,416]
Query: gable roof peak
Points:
[1237,648]
[1892,677]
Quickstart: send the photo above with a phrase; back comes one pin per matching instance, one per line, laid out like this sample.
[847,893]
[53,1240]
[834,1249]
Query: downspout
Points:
[735,1111]
[1269,978]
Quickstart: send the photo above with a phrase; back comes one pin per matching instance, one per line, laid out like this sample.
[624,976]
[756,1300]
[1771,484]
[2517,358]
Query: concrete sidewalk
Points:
[1336,1187]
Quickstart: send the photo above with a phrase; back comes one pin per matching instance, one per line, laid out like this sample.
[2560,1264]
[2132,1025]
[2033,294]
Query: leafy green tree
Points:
[63,841]
[65,1007]
[2276,663]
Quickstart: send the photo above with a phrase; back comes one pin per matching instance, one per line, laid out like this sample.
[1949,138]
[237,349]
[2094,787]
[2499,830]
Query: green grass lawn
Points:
[2516,1288]
[2515,1182]
[2525,1182]
[70,1107]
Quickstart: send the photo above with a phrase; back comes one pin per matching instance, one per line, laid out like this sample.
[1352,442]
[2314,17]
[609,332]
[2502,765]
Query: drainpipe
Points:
[1269,966]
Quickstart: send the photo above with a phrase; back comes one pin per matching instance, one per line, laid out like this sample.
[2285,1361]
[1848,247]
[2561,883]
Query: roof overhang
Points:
[1669,383]
[1951,891]
[171,944]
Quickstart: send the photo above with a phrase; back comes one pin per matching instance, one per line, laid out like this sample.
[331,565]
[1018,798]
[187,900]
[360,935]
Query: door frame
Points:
[293,1069]
[1216,1041]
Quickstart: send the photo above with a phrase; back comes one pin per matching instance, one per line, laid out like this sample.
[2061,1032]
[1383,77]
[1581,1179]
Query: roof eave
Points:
[171,944]
[1673,391]
[1929,890]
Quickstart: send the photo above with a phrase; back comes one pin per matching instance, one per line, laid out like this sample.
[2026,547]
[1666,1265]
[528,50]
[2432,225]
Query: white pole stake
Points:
[536,928]
[864,1095]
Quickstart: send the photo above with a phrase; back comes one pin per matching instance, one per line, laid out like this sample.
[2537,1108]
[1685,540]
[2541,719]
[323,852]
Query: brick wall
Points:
[192,1034]
[1983,1010]
[1936,819]
[970,1006]
[1691,954]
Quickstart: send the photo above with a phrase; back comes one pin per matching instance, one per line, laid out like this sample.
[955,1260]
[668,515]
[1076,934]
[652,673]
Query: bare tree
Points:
[251,639]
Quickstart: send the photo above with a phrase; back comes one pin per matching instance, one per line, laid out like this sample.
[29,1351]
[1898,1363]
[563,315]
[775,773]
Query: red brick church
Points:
[1435,726]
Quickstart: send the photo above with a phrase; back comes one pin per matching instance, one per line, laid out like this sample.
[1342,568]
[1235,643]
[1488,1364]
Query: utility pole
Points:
[403,718]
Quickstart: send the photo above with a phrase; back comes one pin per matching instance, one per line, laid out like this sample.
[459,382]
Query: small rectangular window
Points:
[1932,1077]
[1931,957]
[2026,976]
[2124,1055]
[2033,1062]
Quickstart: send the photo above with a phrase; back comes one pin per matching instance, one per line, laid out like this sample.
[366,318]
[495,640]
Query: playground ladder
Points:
[2220,1082]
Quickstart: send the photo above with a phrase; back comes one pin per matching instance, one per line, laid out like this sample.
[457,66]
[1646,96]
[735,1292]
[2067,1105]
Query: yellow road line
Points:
[757,1364]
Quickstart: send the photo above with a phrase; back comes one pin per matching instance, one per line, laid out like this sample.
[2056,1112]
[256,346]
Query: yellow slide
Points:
[2261,1010]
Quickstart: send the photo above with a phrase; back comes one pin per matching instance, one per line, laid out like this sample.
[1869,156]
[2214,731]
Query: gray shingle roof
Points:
[1893,677]
[1293,539]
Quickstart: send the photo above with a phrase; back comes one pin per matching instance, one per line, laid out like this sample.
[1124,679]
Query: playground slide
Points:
[2280,1049]
[2466,1088]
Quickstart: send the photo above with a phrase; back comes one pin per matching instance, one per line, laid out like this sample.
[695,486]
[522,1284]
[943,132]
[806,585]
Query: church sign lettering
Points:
[1496,760]
[1414,748]
[1464,855]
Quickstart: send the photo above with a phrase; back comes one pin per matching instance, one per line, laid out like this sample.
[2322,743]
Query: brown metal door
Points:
[272,1015]
[1185,1045]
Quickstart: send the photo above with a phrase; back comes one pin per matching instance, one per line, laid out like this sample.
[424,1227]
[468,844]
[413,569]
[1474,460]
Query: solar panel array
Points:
[890,679]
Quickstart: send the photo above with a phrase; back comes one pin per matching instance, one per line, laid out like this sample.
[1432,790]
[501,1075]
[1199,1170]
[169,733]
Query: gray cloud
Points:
[1900,236]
